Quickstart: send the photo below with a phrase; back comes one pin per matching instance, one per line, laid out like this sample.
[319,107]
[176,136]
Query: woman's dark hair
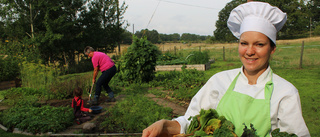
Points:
[272,44]
[77,91]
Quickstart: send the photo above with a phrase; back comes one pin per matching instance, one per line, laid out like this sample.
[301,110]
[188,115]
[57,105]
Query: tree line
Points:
[303,21]
[155,37]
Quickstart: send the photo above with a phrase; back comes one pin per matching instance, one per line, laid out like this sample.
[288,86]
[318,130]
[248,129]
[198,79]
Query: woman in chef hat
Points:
[252,94]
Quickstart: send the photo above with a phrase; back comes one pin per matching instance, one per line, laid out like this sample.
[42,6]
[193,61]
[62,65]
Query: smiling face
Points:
[255,50]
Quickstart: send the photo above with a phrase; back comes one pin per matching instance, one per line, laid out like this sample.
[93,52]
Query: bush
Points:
[139,62]
[198,57]
[194,57]
[317,30]
[9,69]
[170,59]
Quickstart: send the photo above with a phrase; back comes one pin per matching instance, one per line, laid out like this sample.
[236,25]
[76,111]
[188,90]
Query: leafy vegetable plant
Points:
[134,114]
[209,123]
[38,119]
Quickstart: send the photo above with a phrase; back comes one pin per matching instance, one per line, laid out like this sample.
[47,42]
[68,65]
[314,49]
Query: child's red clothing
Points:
[79,101]
[77,104]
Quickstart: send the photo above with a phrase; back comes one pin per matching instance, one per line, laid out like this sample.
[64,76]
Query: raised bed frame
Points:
[201,67]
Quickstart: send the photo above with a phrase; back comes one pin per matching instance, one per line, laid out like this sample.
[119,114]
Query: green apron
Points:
[243,109]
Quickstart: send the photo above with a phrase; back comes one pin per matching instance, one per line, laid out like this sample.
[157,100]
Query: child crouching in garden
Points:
[77,104]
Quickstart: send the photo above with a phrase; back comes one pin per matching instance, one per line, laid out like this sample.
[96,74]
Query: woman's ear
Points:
[273,49]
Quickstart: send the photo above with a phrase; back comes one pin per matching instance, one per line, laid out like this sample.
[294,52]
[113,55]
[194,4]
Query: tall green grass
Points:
[37,75]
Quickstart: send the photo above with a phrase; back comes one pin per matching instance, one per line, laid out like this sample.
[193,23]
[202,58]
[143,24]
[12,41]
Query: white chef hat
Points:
[256,16]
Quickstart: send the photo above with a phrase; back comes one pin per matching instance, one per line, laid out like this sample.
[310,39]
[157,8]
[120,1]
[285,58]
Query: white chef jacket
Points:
[285,106]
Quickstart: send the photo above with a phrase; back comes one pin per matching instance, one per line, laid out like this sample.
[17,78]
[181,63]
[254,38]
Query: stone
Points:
[89,127]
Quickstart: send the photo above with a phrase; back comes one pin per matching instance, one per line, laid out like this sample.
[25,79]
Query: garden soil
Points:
[178,110]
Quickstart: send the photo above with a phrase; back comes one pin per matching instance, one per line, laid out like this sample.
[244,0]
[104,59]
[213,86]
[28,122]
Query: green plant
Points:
[38,119]
[84,65]
[183,84]
[167,56]
[169,59]
[63,88]
[317,30]
[198,57]
[172,80]
[23,95]
[140,60]
[124,115]
[37,75]
[9,69]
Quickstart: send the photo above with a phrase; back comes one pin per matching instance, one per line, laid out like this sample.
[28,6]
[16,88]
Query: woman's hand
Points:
[162,128]
[153,130]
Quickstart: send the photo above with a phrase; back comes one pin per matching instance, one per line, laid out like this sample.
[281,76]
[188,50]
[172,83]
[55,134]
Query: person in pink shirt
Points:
[104,63]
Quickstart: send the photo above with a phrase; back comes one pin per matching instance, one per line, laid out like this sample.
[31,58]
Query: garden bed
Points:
[9,84]
[200,67]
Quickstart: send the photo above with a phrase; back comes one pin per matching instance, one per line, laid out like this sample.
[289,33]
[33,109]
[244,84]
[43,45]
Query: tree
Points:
[60,28]
[297,18]
[314,7]
[126,37]
[222,32]
[175,37]
[152,36]
[189,37]
[297,24]
[170,37]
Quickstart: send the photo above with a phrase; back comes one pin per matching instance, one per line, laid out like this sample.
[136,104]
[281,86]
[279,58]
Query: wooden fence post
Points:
[302,47]
[224,59]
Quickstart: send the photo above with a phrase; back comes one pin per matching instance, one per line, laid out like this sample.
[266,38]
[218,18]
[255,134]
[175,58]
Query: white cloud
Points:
[174,16]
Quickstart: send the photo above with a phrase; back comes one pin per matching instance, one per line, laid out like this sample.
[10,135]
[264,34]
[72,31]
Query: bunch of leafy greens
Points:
[249,132]
[209,123]
[277,133]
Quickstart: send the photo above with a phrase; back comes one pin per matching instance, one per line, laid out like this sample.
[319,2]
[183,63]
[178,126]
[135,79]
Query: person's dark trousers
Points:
[104,80]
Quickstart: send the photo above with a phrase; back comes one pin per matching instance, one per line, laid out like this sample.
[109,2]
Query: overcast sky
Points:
[174,16]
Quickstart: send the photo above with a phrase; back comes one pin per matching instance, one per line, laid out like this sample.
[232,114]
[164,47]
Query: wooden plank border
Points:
[201,67]
[9,84]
